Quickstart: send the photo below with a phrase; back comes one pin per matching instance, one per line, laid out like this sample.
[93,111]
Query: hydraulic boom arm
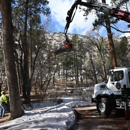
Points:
[99,7]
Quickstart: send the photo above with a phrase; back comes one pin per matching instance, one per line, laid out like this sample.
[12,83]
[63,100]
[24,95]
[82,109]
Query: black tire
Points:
[104,106]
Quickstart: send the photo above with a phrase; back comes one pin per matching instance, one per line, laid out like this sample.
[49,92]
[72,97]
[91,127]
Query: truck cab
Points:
[112,94]
[118,78]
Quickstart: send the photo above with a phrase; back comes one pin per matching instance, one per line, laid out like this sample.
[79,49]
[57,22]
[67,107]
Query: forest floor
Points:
[89,119]
[34,98]
[6,118]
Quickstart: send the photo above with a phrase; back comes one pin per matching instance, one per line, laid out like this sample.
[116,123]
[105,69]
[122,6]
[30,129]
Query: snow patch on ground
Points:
[39,117]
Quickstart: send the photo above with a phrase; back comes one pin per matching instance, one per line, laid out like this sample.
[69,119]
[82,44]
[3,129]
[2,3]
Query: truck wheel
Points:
[104,106]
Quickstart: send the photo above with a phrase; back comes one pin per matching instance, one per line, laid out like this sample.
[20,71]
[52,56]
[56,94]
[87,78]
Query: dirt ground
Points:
[89,119]
[6,118]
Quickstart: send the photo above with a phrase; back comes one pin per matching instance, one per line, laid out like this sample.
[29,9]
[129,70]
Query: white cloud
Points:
[59,10]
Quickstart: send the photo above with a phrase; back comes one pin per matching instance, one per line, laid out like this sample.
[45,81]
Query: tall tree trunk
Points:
[26,86]
[103,67]
[8,47]
[93,67]
[110,41]
[76,70]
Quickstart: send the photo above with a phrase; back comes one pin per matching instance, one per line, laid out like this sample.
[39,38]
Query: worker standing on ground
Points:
[3,103]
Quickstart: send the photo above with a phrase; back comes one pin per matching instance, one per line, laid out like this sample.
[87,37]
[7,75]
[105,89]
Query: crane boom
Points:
[101,7]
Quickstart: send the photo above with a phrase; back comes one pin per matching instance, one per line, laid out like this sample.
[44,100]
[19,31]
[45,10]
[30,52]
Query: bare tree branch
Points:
[117,29]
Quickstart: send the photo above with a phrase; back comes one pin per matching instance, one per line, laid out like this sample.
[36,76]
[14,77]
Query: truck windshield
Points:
[117,75]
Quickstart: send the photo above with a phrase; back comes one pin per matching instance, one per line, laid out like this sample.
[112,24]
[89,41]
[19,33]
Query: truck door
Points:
[116,81]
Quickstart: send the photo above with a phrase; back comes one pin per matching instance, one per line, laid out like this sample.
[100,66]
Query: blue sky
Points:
[59,10]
